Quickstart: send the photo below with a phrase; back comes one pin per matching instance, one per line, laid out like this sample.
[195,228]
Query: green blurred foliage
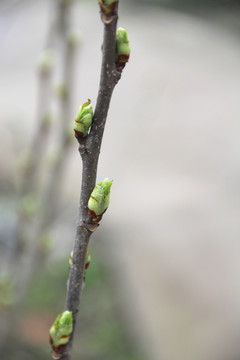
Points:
[102,334]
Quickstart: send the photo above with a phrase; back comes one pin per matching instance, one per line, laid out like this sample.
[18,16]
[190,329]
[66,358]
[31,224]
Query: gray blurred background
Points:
[169,242]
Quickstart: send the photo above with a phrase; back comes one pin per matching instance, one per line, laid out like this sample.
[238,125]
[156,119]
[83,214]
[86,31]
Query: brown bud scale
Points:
[57,350]
[110,8]
[78,133]
[95,218]
[121,62]
[87,265]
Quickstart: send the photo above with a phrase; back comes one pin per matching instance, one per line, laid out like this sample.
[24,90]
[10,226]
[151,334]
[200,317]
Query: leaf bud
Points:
[108,6]
[122,48]
[99,200]
[74,37]
[83,119]
[46,61]
[29,205]
[61,330]
[45,243]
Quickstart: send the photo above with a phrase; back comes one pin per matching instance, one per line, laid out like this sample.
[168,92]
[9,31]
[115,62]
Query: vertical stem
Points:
[69,52]
[90,150]
[25,238]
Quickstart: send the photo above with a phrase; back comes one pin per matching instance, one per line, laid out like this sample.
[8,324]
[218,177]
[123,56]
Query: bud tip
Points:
[83,119]
[99,199]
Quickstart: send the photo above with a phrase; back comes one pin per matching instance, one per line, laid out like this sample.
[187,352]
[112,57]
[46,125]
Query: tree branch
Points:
[89,149]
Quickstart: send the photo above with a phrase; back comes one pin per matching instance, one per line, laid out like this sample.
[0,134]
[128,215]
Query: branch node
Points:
[82,146]
[106,19]
[90,225]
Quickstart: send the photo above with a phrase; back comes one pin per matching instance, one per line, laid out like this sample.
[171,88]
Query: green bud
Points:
[108,6]
[122,48]
[83,119]
[74,37]
[46,62]
[99,199]
[45,243]
[62,91]
[61,330]
[29,205]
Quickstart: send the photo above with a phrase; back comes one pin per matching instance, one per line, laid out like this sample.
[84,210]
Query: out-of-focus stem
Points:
[69,49]
[25,250]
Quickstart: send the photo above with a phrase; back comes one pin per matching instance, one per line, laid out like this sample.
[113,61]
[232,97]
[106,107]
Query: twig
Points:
[89,150]
[25,244]
[70,42]
[26,255]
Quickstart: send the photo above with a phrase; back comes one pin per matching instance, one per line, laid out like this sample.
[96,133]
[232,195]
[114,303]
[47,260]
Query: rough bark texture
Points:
[89,149]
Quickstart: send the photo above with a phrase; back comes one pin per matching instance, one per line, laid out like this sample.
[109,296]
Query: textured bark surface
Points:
[89,149]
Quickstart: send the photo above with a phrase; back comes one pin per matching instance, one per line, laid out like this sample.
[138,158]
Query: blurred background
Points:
[163,283]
